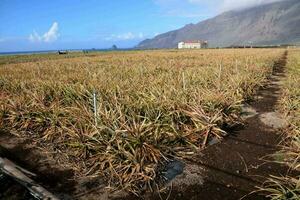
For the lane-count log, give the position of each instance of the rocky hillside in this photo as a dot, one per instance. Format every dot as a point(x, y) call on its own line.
point(269, 24)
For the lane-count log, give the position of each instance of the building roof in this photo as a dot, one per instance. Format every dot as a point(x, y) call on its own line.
point(194, 41)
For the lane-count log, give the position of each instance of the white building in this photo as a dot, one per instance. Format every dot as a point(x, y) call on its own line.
point(192, 44)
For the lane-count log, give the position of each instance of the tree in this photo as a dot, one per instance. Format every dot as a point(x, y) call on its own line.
point(114, 47)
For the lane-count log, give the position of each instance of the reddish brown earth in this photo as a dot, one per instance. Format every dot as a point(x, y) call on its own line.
point(25, 154)
point(237, 165)
point(228, 170)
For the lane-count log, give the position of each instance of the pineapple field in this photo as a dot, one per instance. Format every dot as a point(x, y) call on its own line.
point(121, 116)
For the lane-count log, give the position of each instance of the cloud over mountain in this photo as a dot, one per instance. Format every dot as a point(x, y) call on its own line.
point(241, 4)
point(218, 6)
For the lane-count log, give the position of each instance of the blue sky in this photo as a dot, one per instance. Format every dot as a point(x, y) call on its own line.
point(76, 24)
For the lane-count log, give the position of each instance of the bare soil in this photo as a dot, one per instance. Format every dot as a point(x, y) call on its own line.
point(228, 170)
point(26, 155)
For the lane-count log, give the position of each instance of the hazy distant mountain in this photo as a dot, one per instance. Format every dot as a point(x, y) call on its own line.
point(274, 23)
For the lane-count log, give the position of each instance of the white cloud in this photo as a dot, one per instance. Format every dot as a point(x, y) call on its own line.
point(188, 8)
point(185, 8)
point(11, 38)
point(34, 37)
point(125, 36)
point(50, 36)
point(240, 4)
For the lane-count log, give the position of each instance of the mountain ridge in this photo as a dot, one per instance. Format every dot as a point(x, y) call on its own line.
point(268, 24)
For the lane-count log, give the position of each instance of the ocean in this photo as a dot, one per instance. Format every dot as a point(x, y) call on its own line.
point(55, 51)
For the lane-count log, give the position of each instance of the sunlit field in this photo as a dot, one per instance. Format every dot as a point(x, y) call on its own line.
point(121, 115)
point(290, 103)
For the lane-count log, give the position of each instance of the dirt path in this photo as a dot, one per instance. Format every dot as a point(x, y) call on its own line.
point(235, 166)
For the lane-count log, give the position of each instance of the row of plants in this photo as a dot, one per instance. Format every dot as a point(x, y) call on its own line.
point(150, 106)
point(287, 187)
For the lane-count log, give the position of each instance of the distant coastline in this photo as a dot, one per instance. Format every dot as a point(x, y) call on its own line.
point(26, 52)
point(55, 51)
